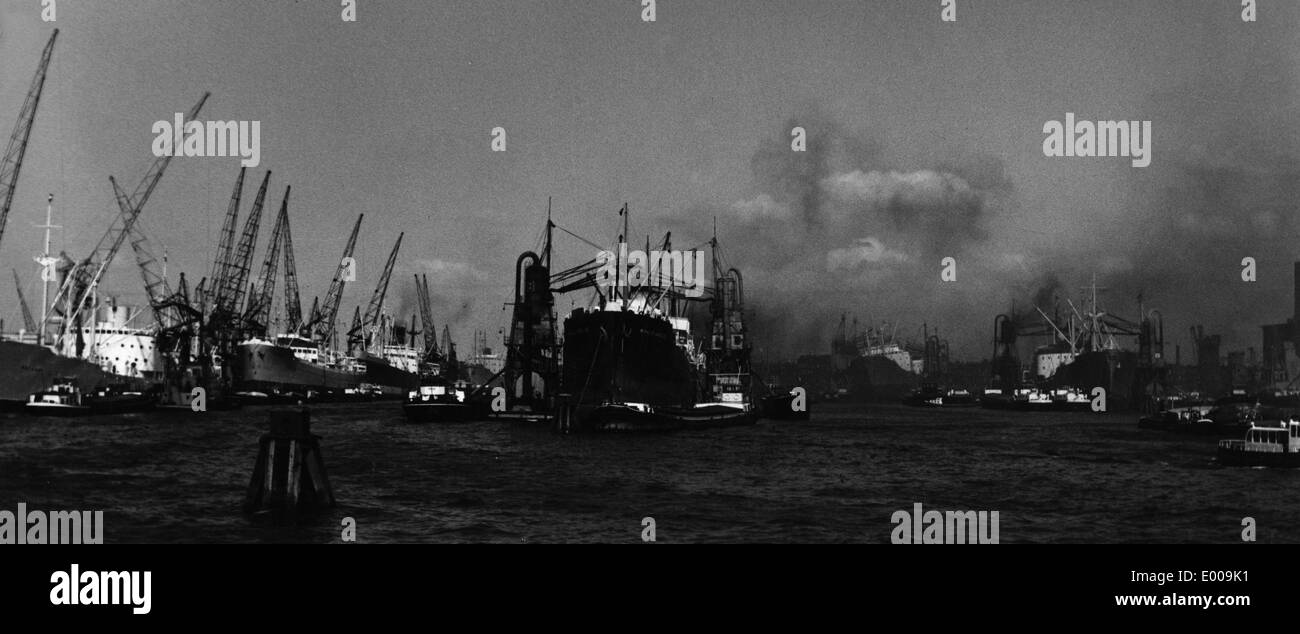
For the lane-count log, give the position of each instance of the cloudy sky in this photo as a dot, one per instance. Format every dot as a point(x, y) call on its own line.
point(924, 142)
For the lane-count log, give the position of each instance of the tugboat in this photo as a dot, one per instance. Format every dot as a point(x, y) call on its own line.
point(65, 398)
point(1263, 447)
point(442, 401)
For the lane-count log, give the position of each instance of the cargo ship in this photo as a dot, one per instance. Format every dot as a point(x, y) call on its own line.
point(378, 358)
point(111, 353)
point(631, 361)
point(1084, 355)
point(294, 364)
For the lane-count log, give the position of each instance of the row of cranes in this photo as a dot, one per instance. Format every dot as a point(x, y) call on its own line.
point(203, 326)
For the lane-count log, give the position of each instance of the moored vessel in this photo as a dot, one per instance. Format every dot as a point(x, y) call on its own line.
point(66, 398)
point(1263, 447)
point(631, 361)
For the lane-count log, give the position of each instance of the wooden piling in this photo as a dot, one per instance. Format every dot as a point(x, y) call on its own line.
point(289, 476)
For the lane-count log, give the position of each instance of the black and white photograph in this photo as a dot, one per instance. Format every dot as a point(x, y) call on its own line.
point(650, 272)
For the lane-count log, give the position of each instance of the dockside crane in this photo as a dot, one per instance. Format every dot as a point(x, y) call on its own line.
point(12, 162)
point(171, 310)
point(230, 298)
point(411, 332)
point(78, 286)
point(292, 300)
point(452, 371)
point(429, 332)
point(22, 303)
point(257, 315)
point(304, 330)
point(323, 318)
point(226, 246)
point(354, 333)
point(371, 323)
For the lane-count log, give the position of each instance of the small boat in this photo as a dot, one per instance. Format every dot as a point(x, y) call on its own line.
point(1020, 398)
point(784, 406)
point(1182, 420)
point(1070, 399)
point(931, 395)
point(640, 417)
point(729, 407)
point(1024, 398)
point(1277, 446)
point(440, 401)
point(65, 398)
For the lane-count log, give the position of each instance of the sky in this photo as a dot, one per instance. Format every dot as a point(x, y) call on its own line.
point(924, 142)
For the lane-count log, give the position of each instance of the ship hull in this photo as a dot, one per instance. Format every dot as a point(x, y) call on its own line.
point(1110, 369)
point(391, 380)
point(625, 357)
point(616, 418)
point(27, 368)
point(266, 367)
point(125, 405)
point(1237, 457)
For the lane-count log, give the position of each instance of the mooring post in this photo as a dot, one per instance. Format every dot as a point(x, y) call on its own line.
point(289, 475)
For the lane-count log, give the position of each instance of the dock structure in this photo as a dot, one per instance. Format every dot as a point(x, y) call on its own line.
point(289, 475)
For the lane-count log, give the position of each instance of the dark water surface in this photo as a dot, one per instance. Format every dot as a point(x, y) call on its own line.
point(168, 477)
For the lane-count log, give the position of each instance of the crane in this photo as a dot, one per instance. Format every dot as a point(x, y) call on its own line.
point(371, 322)
point(257, 314)
point(22, 302)
point(304, 330)
point(292, 301)
point(322, 320)
point(354, 333)
point(230, 299)
point(170, 309)
point(426, 318)
point(13, 157)
point(226, 247)
point(452, 369)
point(74, 294)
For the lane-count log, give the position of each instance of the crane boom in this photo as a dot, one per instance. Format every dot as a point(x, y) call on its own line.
point(426, 318)
point(226, 247)
point(13, 157)
point(292, 300)
point(22, 303)
point(80, 283)
point(156, 288)
point(371, 323)
point(323, 321)
point(257, 315)
point(230, 298)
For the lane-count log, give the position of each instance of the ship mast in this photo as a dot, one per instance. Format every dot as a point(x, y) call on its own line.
point(47, 267)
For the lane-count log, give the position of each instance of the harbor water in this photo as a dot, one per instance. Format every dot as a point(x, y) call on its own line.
point(166, 477)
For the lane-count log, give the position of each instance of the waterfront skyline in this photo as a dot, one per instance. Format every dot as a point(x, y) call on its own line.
point(925, 143)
